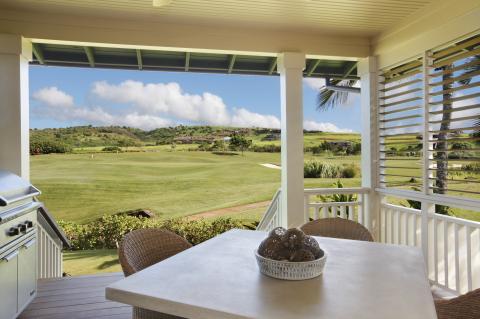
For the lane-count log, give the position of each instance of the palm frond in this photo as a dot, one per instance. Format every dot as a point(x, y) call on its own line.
point(327, 99)
point(470, 69)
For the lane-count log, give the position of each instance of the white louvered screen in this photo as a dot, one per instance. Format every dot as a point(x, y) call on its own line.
point(400, 121)
point(454, 119)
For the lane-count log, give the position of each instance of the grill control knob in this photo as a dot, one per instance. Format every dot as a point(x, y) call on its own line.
point(22, 227)
point(29, 224)
point(13, 231)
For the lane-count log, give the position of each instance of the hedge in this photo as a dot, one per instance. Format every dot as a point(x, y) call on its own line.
point(108, 231)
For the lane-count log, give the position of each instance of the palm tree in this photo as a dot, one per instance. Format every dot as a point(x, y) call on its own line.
point(331, 96)
point(442, 146)
point(442, 156)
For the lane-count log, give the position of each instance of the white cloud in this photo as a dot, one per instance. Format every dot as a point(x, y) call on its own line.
point(155, 105)
point(60, 106)
point(244, 118)
point(168, 99)
point(53, 97)
point(324, 127)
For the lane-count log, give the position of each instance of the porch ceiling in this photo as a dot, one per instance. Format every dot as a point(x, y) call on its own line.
point(128, 58)
point(359, 17)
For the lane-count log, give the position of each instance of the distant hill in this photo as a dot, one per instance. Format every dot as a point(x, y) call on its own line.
point(61, 140)
point(91, 136)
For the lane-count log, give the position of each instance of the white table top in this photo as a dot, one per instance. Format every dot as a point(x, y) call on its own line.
point(220, 279)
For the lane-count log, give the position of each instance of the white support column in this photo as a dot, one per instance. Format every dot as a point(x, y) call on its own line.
point(427, 208)
point(15, 53)
point(367, 70)
point(291, 66)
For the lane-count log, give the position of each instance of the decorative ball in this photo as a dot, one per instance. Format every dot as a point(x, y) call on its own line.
point(270, 247)
point(277, 232)
point(311, 244)
point(302, 255)
point(293, 239)
point(289, 245)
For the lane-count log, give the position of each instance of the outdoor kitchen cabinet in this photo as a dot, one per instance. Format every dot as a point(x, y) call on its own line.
point(18, 278)
point(27, 273)
point(8, 282)
point(18, 244)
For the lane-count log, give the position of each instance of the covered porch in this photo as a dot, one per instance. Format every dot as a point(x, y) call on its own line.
point(403, 54)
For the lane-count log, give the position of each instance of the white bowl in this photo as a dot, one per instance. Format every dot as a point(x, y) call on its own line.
point(289, 270)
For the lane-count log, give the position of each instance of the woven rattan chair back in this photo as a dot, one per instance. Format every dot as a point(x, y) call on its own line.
point(337, 228)
point(463, 307)
point(142, 248)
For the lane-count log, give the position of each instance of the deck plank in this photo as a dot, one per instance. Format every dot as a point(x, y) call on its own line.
point(81, 297)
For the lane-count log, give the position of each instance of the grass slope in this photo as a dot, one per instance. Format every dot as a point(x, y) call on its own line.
point(85, 262)
point(80, 188)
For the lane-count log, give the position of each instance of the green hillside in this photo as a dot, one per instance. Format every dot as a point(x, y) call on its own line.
point(90, 136)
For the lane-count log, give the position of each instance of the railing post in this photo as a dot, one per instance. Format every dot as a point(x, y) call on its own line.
point(427, 209)
point(367, 70)
point(306, 208)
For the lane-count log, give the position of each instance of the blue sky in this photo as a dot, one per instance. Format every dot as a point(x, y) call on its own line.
point(61, 97)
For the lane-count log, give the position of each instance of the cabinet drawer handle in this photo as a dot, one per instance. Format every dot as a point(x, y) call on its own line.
point(10, 256)
point(29, 243)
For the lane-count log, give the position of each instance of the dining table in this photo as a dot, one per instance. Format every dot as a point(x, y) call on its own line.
point(220, 278)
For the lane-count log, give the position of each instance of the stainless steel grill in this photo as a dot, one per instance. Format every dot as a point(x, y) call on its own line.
point(18, 243)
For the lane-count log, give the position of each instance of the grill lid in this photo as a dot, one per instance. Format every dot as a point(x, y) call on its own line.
point(13, 188)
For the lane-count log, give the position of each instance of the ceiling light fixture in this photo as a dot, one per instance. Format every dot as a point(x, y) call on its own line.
point(161, 3)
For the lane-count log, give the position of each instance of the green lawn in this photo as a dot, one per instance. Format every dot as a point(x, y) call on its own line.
point(82, 187)
point(84, 262)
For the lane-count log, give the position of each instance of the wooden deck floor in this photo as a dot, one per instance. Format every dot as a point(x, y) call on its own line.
point(76, 298)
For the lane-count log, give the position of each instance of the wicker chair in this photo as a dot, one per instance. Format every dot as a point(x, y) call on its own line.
point(463, 307)
point(142, 248)
point(337, 228)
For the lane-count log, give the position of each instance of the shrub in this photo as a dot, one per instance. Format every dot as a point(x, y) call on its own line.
point(471, 167)
point(111, 149)
point(204, 146)
point(460, 155)
point(239, 142)
point(108, 231)
point(461, 145)
point(316, 169)
point(349, 171)
point(269, 148)
point(48, 147)
point(354, 149)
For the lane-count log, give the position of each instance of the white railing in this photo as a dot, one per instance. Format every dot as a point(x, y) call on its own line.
point(351, 205)
point(50, 256)
point(451, 245)
point(316, 208)
point(400, 225)
point(271, 218)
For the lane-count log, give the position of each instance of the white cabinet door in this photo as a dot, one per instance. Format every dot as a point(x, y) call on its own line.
point(27, 272)
point(8, 284)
